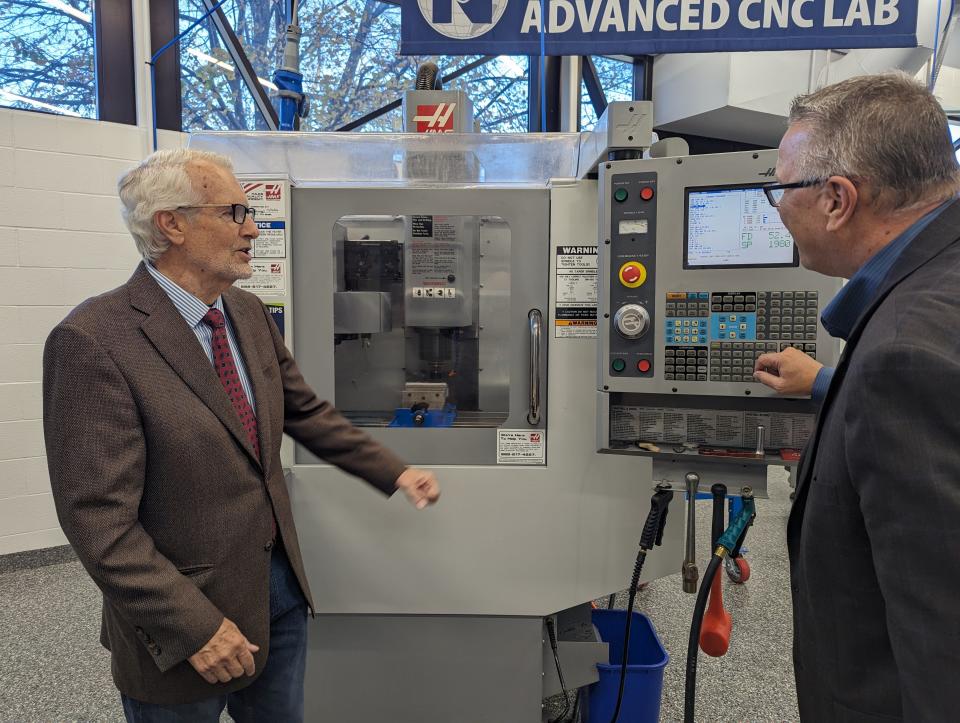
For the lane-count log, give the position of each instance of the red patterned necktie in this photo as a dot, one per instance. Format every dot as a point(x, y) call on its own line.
point(229, 377)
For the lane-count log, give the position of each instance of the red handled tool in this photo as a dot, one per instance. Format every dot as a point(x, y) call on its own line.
point(717, 622)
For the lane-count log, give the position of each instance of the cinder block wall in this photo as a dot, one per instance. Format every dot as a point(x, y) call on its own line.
point(61, 241)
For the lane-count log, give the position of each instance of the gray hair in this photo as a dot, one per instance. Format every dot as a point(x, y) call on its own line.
point(161, 183)
point(888, 130)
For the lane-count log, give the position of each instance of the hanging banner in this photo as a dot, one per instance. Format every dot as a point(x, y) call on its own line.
point(647, 27)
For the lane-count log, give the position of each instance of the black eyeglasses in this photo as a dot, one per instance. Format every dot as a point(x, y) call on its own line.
point(240, 212)
point(775, 191)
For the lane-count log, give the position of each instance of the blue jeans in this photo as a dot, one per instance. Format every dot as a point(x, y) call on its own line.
point(277, 694)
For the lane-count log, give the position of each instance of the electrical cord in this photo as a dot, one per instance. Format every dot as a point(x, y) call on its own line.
point(731, 539)
point(651, 536)
point(552, 635)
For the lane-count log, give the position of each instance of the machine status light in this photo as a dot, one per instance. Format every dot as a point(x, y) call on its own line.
point(619, 365)
point(646, 193)
point(620, 195)
point(643, 366)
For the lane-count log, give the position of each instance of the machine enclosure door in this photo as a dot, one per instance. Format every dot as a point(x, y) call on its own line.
point(385, 338)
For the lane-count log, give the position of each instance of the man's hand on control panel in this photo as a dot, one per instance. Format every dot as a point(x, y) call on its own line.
point(789, 372)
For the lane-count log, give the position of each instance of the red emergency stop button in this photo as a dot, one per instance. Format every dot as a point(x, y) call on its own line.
point(633, 274)
point(646, 193)
point(643, 365)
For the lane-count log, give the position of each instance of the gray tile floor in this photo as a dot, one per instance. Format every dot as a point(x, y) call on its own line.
point(53, 669)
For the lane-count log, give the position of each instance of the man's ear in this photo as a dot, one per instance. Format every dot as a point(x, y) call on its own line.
point(171, 225)
point(840, 198)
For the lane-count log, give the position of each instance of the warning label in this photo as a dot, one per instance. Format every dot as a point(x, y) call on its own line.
point(521, 446)
point(575, 315)
point(439, 228)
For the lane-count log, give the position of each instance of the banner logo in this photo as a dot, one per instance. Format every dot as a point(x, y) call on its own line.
point(462, 19)
point(644, 27)
point(435, 118)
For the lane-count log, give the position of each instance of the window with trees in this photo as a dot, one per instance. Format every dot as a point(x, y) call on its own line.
point(48, 56)
point(616, 79)
point(350, 63)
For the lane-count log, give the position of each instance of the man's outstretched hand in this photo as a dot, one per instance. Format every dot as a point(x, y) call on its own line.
point(420, 487)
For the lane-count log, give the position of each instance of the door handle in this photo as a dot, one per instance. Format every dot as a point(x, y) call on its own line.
point(535, 319)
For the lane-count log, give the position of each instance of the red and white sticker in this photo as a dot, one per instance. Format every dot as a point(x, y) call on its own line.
point(435, 118)
point(521, 446)
point(267, 198)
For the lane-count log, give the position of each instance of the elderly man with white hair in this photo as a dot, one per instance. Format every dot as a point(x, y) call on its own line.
point(165, 402)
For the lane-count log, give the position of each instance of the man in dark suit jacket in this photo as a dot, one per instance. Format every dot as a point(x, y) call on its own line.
point(867, 182)
point(165, 401)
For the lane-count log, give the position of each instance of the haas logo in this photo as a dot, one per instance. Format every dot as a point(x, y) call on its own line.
point(535, 437)
point(462, 19)
point(272, 192)
point(769, 173)
point(435, 118)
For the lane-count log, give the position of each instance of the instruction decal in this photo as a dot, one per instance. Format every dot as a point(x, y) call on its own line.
point(709, 426)
point(575, 315)
point(272, 241)
point(269, 277)
point(521, 446)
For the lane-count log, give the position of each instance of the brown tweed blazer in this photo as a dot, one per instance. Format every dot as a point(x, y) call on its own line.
point(157, 487)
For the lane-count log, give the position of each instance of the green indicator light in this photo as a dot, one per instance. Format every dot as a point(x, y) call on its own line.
point(619, 365)
point(620, 195)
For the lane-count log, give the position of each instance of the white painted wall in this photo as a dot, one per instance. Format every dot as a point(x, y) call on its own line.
point(61, 241)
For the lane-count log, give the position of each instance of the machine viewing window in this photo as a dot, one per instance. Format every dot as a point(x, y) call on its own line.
point(421, 320)
point(734, 227)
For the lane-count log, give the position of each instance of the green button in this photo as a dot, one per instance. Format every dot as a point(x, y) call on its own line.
point(619, 365)
point(620, 194)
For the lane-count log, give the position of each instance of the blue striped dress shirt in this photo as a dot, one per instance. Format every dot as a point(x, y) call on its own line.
point(193, 310)
point(842, 313)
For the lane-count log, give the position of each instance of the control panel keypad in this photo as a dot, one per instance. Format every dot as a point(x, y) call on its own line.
point(787, 315)
point(685, 363)
point(718, 336)
point(734, 361)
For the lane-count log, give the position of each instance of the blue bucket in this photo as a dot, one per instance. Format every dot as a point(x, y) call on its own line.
point(644, 683)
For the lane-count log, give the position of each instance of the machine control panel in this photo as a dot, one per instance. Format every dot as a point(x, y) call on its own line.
point(633, 249)
point(700, 277)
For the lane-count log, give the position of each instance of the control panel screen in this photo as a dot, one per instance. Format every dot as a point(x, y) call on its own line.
point(735, 227)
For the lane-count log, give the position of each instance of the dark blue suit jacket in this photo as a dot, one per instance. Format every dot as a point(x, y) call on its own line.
point(874, 535)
